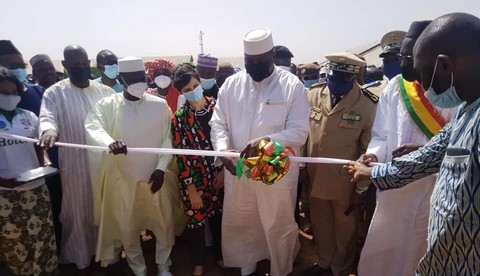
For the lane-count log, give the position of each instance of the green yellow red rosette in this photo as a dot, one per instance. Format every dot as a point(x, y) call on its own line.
point(271, 164)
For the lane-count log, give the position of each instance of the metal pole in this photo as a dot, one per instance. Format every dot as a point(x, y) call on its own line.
point(201, 42)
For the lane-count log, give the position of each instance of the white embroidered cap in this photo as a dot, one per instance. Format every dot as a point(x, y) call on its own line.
point(258, 41)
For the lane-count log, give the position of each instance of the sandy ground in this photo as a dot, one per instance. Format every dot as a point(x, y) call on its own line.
point(182, 265)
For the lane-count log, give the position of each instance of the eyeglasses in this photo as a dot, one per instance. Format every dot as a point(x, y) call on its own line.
point(406, 58)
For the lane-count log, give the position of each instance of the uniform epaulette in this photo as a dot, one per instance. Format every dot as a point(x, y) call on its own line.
point(317, 85)
point(374, 83)
point(374, 98)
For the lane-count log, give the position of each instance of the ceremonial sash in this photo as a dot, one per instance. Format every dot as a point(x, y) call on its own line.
point(420, 109)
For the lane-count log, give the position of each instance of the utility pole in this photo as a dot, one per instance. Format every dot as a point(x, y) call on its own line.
point(201, 42)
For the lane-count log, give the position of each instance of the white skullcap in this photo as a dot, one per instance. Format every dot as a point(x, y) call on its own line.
point(258, 41)
point(130, 64)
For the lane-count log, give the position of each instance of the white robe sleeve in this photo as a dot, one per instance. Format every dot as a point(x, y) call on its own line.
point(96, 125)
point(164, 159)
point(378, 143)
point(219, 133)
point(48, 116)
point(297, 124)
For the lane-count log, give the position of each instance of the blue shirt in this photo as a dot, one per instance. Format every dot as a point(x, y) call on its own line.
point(117, 87)
point(31, 99)
point(454, 223)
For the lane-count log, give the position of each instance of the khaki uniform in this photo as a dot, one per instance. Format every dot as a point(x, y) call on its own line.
point(376, 87)
point(343, 131)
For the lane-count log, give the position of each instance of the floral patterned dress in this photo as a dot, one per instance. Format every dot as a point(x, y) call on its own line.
point(191, 131)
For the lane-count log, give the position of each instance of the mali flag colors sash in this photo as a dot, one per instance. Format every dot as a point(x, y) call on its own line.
point(425, 116)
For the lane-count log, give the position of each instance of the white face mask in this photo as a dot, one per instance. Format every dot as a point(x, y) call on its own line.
point(9, 102)
point(137, 89)
point(162, 81)
point(285, 68)
point(448, 99)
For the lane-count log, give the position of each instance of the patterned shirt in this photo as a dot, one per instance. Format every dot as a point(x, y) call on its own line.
point(191, 131)
point(454, 223)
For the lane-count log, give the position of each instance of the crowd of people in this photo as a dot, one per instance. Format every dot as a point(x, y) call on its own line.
point(386, 212)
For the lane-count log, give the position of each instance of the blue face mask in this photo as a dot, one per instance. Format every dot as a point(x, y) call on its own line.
point(207, 83)
point(111, 71)
point(20, 74)
point(195, 95)
point(448, 99)
point(309, 83)
point(337, 87)
point(391, 69)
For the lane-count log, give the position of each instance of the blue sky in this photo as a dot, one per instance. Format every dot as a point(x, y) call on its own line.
point(310, 28)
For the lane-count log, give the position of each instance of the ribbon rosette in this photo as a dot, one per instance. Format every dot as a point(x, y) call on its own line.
point(271, 164)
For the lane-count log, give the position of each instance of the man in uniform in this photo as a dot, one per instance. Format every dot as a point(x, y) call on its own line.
point(391, 43)
point(341, 118)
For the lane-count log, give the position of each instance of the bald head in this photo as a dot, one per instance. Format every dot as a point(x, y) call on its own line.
point(452, 34)
point(451, 45)
point(77, 65)
point(106, 57)
point(74, 50)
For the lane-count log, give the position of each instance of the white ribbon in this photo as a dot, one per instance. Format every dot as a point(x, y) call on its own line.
point(318, 160)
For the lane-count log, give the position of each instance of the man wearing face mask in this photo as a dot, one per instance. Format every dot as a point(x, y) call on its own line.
point(107, 64)
point(206, 68)
point(282, 57)
point(400, 127)
point(391, 43)
point(262, 102)
point(341, 118)
point(62, 116)
point(446, 56)
point(159, 74)
point(135, 191)
point(12, 59)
